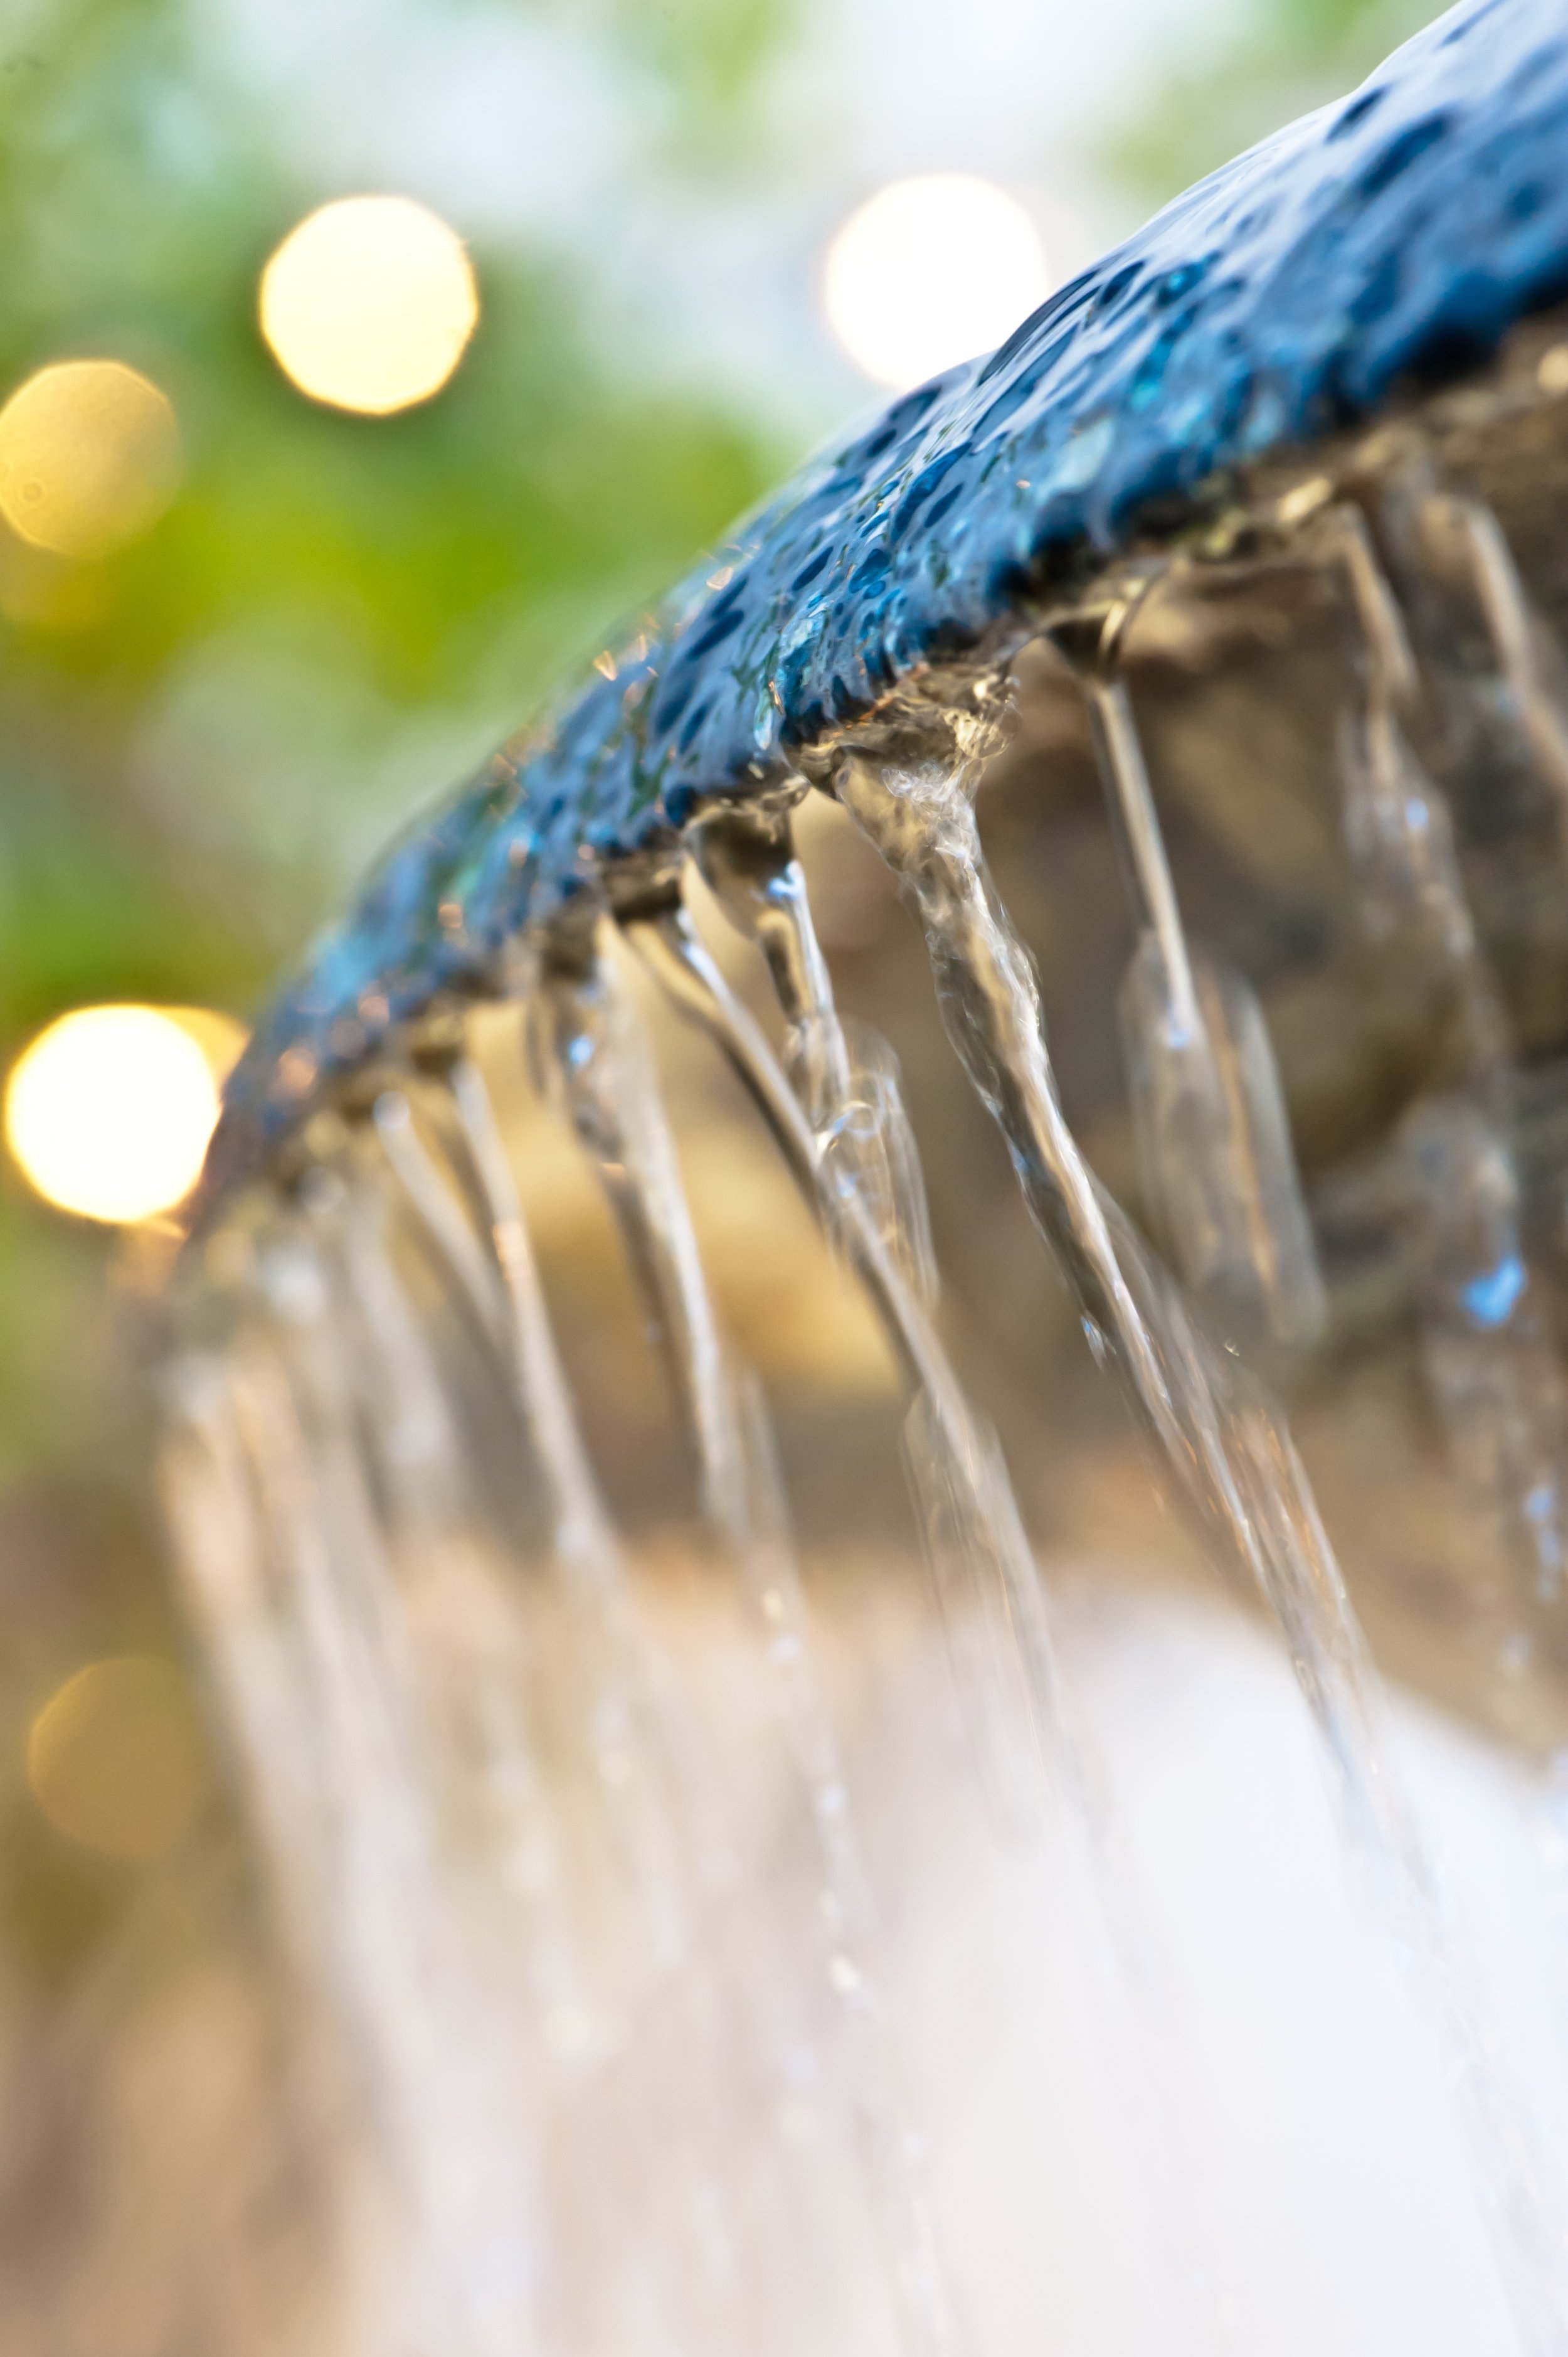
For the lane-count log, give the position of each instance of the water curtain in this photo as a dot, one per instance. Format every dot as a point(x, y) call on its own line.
point(528, 1884)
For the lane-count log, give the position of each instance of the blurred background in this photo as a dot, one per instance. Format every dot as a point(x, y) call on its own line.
point(301, 511)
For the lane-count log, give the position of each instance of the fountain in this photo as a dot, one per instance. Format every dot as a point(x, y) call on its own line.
point(1216, 614)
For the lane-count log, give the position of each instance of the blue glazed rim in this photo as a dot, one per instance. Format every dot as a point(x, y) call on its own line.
point(1381, 245)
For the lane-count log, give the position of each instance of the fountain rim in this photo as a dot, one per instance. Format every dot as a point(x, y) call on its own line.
point(1366, 253)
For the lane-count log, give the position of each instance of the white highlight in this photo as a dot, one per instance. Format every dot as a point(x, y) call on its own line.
point(930, 272)
point(109, 1112)
point(369, 304)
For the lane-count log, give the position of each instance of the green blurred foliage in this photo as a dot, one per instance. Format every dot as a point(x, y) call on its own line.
point(1274, 62)
point(709, 56)
point(541, 493)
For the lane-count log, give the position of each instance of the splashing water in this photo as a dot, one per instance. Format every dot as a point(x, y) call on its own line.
point(636, 1889)
point(1221, 1433)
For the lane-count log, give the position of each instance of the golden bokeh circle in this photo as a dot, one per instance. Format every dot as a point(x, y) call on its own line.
point(109, 1111)
point(90, 457)
point(369, 304)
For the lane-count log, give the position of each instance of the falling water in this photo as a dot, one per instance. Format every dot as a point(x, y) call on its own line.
point(377, 1644)
point(603, 1941)
point(610, 1087)
point(1495, 1376)
point(870, 1191)
point(1222, 1436)
point(316, 1655)
point(1213, 1137)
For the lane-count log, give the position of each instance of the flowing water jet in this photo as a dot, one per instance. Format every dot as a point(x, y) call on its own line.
point(870, 1192)
point(1213, 1136)
point(634, 2073)
point(610, 1086)
point(1225, 1439)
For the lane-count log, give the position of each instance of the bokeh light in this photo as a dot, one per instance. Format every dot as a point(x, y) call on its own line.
point(90, 457)
point(108, 1113)
point(369, 304)
point(929, 272)
point(115, 1758)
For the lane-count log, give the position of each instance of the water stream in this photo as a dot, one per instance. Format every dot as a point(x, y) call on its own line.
point(610, 1085)
point(625, 1863)
point(1227, 1445)
point(574, 2056)
point(870, 1192)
